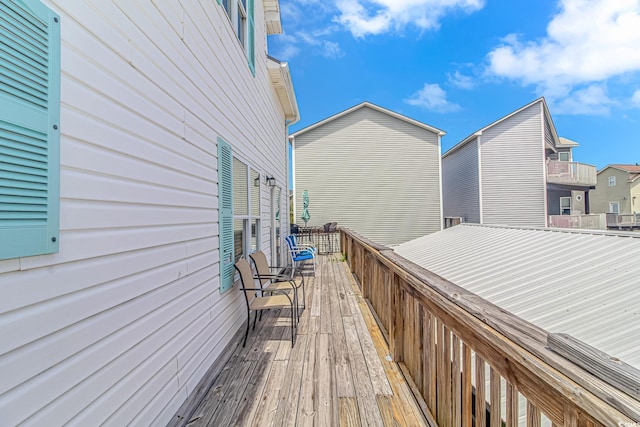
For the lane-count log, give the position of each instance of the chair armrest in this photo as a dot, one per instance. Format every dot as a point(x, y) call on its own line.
point(272, 277)
point(299, 251)
point(304, 247)
point(282, 291)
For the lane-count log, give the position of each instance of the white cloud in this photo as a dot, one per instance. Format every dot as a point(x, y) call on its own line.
point(460, 80)
point(433, 98)
point(587, 42)
point(635, 98)
point(364, 17)
point(590, 100)
point(331, 50)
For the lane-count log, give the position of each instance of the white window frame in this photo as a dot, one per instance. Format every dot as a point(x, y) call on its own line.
point(612, 181)
point(616, 210)
point(248, 219)
point(237, 13)
point(561, 208)
point(568, 156)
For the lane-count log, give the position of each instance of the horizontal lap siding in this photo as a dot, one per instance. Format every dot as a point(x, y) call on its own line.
point(373, 173)
point(600, 197)
point(460, 183)
point(123, 322)
point(512, 168)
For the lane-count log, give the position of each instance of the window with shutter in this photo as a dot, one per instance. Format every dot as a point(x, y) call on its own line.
point(29, 134)
point(240, 13)
point(225, 209)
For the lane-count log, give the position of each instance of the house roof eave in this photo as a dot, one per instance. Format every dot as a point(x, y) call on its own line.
point(281, 79)
point(474, 135)
point(373, 107)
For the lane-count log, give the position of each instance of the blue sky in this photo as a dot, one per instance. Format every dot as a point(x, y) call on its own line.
point(459, 65)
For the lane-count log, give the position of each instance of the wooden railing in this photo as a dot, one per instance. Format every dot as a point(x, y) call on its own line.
point(588, 221)
point(571, 173)
point(470, 362)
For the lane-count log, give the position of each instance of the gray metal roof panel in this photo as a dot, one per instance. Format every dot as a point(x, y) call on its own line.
point(583, 283)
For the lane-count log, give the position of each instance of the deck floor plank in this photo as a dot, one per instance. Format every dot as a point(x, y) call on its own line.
point(336, 374)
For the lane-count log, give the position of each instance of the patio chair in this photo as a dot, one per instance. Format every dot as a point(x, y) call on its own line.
point(256, 301)
point(298, 255)
point(303, 246)
point(275, 277)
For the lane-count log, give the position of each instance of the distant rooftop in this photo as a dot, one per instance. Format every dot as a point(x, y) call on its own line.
point(566, 142)
point(583, 283)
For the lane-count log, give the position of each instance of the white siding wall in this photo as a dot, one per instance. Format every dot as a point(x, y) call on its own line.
point(373, 173)
point(122, 323)
point(548, 134)
point(512, 168)
point(460, 183)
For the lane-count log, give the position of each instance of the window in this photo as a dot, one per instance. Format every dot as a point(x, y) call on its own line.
point(612, 181)
point(614, 207)
point(239, 211)
point(29, 129)
point(246, 209)
point(241, 17)
point(240, 13)
point(565, 205)
point(563, 156)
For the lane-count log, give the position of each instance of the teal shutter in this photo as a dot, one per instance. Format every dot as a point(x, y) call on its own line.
point(251, 42)
point(225, 214)
point(29, 134)
point(219, 1)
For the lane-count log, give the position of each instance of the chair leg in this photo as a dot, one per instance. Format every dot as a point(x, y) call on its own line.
point(292, 326)
point(296, 301)
point(246, 333)
point(254, 320)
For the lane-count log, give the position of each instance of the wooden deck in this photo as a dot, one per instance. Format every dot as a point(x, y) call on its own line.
point(336, 374)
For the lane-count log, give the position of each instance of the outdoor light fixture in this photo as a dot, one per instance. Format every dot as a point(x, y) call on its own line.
point(256, 182)
point(270, 181)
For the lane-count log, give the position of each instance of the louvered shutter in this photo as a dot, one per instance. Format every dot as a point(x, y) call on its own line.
point(29, 134)
point(225, 215)
point(251, 43)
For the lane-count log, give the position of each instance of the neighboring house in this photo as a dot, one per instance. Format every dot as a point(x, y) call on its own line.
point(136, 139)
point(515, 171)
point(518, 269)
point(372, 170)
point(618, 190)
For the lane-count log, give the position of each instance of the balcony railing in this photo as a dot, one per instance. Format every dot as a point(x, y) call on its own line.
point(590, 221)
point(623, 221)
point(468, 359)
point(571, 173)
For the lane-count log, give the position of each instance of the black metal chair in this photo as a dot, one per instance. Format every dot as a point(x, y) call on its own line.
point(257, 301)
point(277, 277)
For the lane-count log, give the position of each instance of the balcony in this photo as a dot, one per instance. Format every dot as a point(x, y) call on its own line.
point(337, 373)
point(586, 221)
point(623, 221)
point(571, 173)
point(401, 346)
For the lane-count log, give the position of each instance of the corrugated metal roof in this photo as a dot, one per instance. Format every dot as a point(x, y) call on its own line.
point(584, 283)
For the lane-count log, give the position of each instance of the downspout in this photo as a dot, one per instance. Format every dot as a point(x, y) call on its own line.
point(293, 175)
point(440, 181)
point(480, 195)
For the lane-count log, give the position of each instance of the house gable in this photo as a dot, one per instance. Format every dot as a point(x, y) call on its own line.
point(373, 107)
point(370, 171)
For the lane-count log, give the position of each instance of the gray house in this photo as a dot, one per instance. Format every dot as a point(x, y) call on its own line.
point(516, 171)
point(370, 169)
